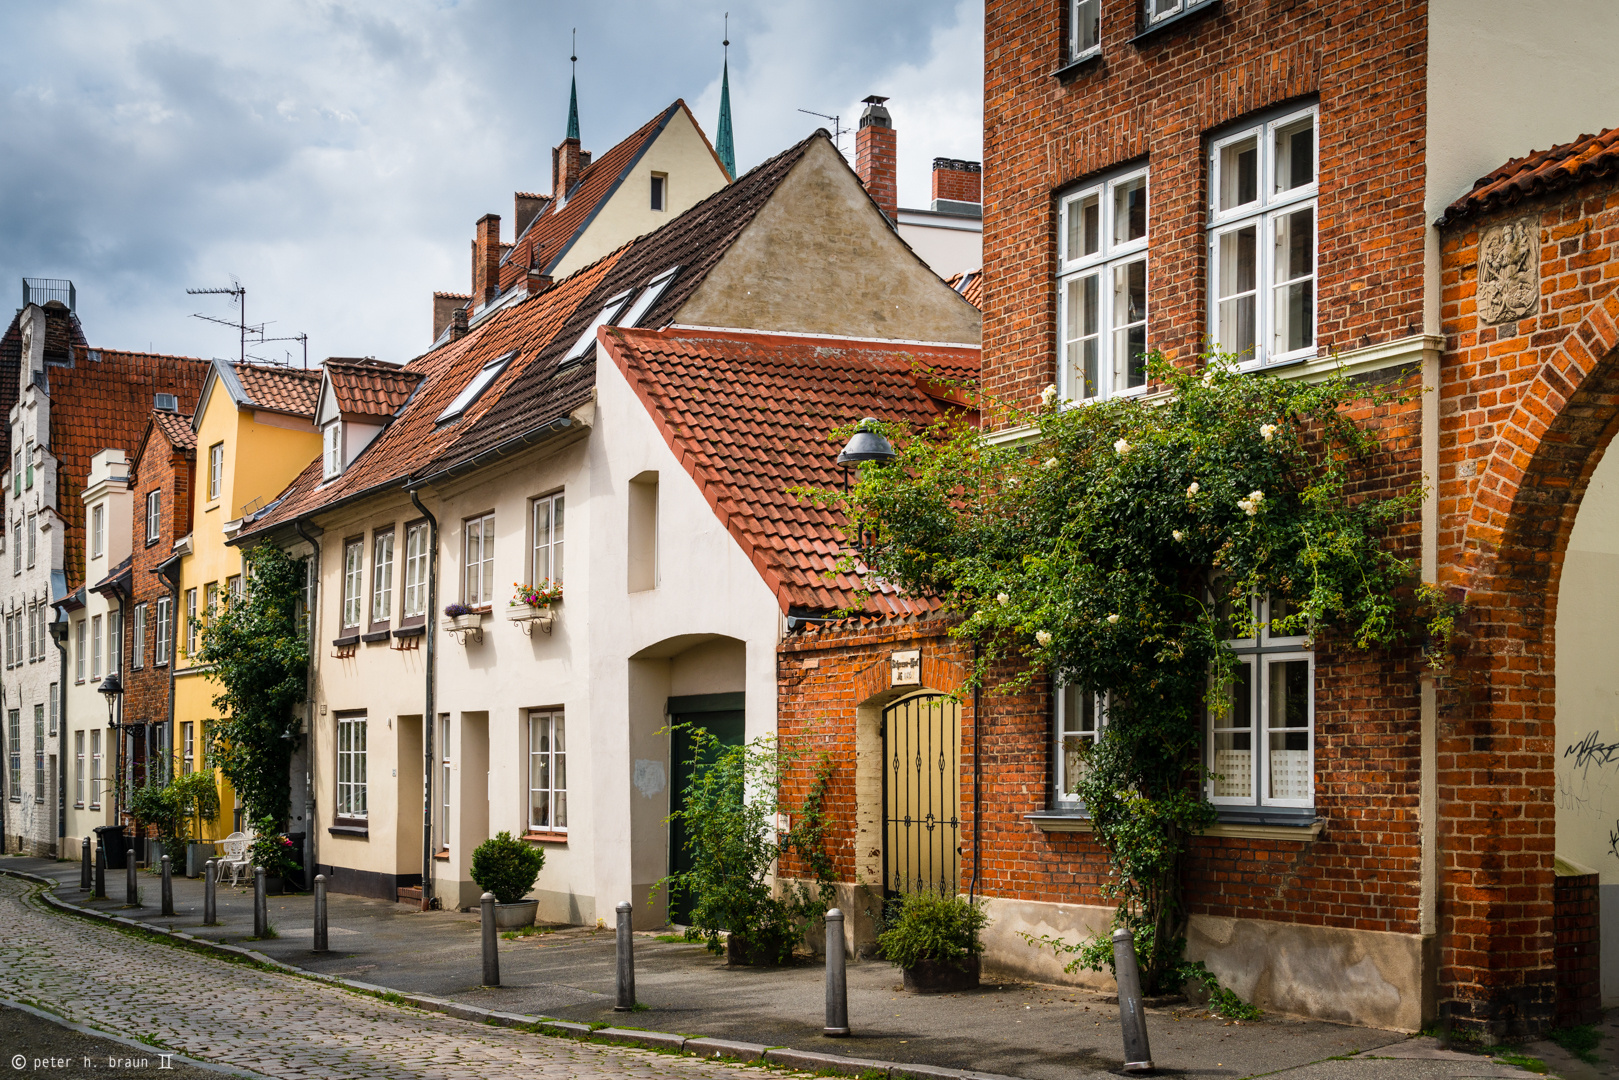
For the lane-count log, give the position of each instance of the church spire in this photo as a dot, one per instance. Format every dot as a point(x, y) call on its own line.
point(722, 137)
point(573, 92)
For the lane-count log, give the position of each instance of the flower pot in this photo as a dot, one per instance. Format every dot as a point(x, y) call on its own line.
point(274, 885)
point(464, 622)
point(936, 977)
point(197, 855)
point(512, 916)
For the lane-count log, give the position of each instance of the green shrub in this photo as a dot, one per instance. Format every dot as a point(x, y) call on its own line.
point(506, 867)
point(932, 926)
point(271, 850)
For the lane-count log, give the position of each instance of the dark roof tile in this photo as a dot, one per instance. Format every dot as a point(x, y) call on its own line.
point(1586, 158)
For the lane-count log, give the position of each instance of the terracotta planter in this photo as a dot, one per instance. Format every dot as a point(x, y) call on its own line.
point(933, 977)
point(513, 916)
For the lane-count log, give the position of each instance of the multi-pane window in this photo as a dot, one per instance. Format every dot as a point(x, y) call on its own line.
point(95, 647)
point(547, 560)
point(191, 622)
point(98, 531)
point(480, 556)
point(233, 589)
point(353, 582)
point(16, 546)
point(33, 630)
point(1080, 719)
point(1262, 239)
point(351, 765)
point(547, 771)
point(331, 441)
point(115, 641)
point(95, 768)
point(188, 748)
point(1102, 287)
point(33, 538)
point(39, 753)
point(1261, 734)
point(1084, 29)
point(216, 469)
point(79, 652)
point(55, 714)
point(14, 753)
point(444, 781)
point(416, 537)
point(382, 576)
point(28, 465)
point(160, 647)
point(137, 651)
point(78, 768)
point(154, 516)
point(1157, 11)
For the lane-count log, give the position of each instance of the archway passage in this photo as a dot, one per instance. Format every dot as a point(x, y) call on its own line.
point(922, 794)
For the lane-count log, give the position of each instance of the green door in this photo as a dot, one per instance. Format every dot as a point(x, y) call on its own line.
point(722, 716)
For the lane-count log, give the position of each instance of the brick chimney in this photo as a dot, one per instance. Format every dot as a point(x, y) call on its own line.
point(445, 304)
point(526, 207)
point(486, 259)
point(567, 163)
point(874, 156)
point(957, 185)
point(458, 324)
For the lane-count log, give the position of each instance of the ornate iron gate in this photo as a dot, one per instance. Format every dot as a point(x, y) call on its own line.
point(921, 794)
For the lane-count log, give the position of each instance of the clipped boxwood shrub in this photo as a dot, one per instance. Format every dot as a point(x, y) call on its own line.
point(506, 867)
point(930, 926)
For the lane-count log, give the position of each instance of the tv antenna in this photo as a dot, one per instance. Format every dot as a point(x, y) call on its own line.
point(838, 131)
point(238, 292)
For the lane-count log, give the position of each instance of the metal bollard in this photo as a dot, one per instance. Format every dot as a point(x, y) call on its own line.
point(132, 896)
point(837, 978)
point(491, 954)
point(320, 912)
point(1137, 1054)
point(84, 864)
point(261, 908)
point(626, 959)
point(168, 888)
point(101, 873)
point(209, 872)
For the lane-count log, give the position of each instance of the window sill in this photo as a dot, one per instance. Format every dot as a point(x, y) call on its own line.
point(1075, 68)
point(1152, 31)
point(358, 832)
point(347, 641)
point(1307, 829)
point(376, 635)
point(410, 631)
point(546, 837)
point(442, 856)
point(1060, 821)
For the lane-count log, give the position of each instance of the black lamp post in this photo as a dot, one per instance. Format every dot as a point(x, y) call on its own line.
point(113, 688)
point(866, 444)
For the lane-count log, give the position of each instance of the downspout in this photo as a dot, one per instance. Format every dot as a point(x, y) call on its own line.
point(61, 730)
point(978, 754)
point(311, 853)
point(429, 715)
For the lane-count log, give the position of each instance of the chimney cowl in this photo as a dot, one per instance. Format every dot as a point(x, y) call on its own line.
point(875, 115)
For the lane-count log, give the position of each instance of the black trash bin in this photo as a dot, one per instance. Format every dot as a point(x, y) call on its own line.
point(299, 875)
point(116, 842)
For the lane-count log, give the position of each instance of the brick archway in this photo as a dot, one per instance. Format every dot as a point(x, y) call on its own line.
point(1496, 738)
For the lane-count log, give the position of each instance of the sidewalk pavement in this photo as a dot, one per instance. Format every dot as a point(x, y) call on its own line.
point(1015, 1029)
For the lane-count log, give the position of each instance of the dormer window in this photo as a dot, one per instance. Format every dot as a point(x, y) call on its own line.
point(649, 296)
point(331, 439)
point(587, 341)
point(480, 382)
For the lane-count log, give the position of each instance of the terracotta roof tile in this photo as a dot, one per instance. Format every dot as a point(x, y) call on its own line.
point(970, 285)
point(751, 416)
point(279, 389)
point(1586, 158)
point(370, 389)
point(175, 427)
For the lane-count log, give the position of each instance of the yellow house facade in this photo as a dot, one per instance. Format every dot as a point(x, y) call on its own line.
point(255, 432)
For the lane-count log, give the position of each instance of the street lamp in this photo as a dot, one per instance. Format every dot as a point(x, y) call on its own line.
point(114, 691)
point(866, 444)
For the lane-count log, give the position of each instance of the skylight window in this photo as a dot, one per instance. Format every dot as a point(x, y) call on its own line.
point(587, 340)
point(649, 296)
point(480, 382)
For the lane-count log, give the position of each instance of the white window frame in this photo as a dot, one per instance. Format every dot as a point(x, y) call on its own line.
point(55, 714)
point(216, 470)
point(1264, 213)
point(33, 539)
point(95, 648)
point(417, 540)
point(1084, 15)
point(649, 295)
point(188, 749)
point(353, 582)
point(16, 550)
point(331, 441)
point(478, 558)
point(191, 622)
point(161, 644)
point(351, 767)
point(14, 754)
point(1067, 698)
point(444, 782)
point(474, 389)
point(33, 631)
point(553, 760)
point(587, 340)
point(1110, 259)
point(39, 752)
point(154, 516)
point(382, 575)
point(115, 642)
point(546, 555)
point(1158, 11)
point(78, 658)
point(96, 760)
point(1260, 654)
point(98, 531)
point(78, 769)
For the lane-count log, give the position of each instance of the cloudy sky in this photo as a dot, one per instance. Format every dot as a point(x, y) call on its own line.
point(332, 157)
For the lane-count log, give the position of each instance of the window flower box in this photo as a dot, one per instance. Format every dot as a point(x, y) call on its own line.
point(535, 605)
point(464, 622)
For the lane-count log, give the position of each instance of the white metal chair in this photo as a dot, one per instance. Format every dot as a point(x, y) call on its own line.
point(235, 859)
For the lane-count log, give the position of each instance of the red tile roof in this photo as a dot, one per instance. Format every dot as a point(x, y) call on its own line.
point(1586, 158)
point(175, 427)
point(106, 403)
point(751, 417)
point(279, 389)
point(370, 389)
point(555, 228)
point(970, 285)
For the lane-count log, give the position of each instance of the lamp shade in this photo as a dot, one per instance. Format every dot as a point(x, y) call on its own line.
point(111, 686)
point(866, 444)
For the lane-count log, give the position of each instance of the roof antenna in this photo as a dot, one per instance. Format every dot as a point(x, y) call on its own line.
point(838, 131)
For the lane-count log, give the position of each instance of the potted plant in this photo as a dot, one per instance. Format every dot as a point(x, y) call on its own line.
point(531, 605)
point(273, 851)
point(196, 797)
point(936, 938)
point(508, 868)
point(462, 617)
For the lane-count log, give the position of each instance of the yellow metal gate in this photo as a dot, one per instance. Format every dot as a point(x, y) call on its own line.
point(922, 794)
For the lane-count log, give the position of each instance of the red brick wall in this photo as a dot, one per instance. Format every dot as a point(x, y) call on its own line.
point(960, 181)
point(1158, 100)
point(874, 162)
point(170, 472)
point(1578, 950)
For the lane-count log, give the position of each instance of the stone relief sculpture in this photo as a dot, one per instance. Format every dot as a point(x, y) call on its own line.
point(1508, 271)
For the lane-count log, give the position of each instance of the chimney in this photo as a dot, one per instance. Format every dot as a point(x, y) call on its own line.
point(567, 162)
point(958, 187)
point(445, 304)
point(874, 156)
point(528, 206)
point(486, 259)
point(538, 282)
point(458, 324)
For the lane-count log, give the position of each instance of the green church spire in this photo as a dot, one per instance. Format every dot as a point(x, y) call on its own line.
point(722, 139)
point(573, 92)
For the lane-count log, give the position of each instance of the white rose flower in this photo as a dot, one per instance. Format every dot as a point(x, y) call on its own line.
point(1044, 638)
point(1049, 394)
point(1250, 505)
point(1121, 448)
point(1051, 463)
point(1267, 431)
point(1178, 535)
point(1003, 599)
point(1112, 620)
point(1192, 489)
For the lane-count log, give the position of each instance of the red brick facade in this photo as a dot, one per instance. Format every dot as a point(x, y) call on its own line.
point(170, 471)
point(876, 157)
point(957, 181)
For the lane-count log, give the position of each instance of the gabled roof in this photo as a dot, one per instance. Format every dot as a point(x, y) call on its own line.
point(535, 394)
point(1586, 158)
point(368, 388)
point(750, 416)
point(175, 427)
point(555, 229)
point(267, 387)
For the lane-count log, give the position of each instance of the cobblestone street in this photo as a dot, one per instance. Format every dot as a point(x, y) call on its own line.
point(273, 1024)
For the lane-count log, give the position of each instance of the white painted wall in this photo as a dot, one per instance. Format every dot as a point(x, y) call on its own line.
point(949, 245)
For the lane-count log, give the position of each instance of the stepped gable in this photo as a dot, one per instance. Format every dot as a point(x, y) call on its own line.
point(370, 388)
point(104, 401)
point(1586, 158)
point(751, 417)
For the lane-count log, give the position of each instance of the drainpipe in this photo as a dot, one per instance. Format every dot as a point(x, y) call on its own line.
point(978, 754)
point(58, 630)
point(429, 715)
point(311, 852)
